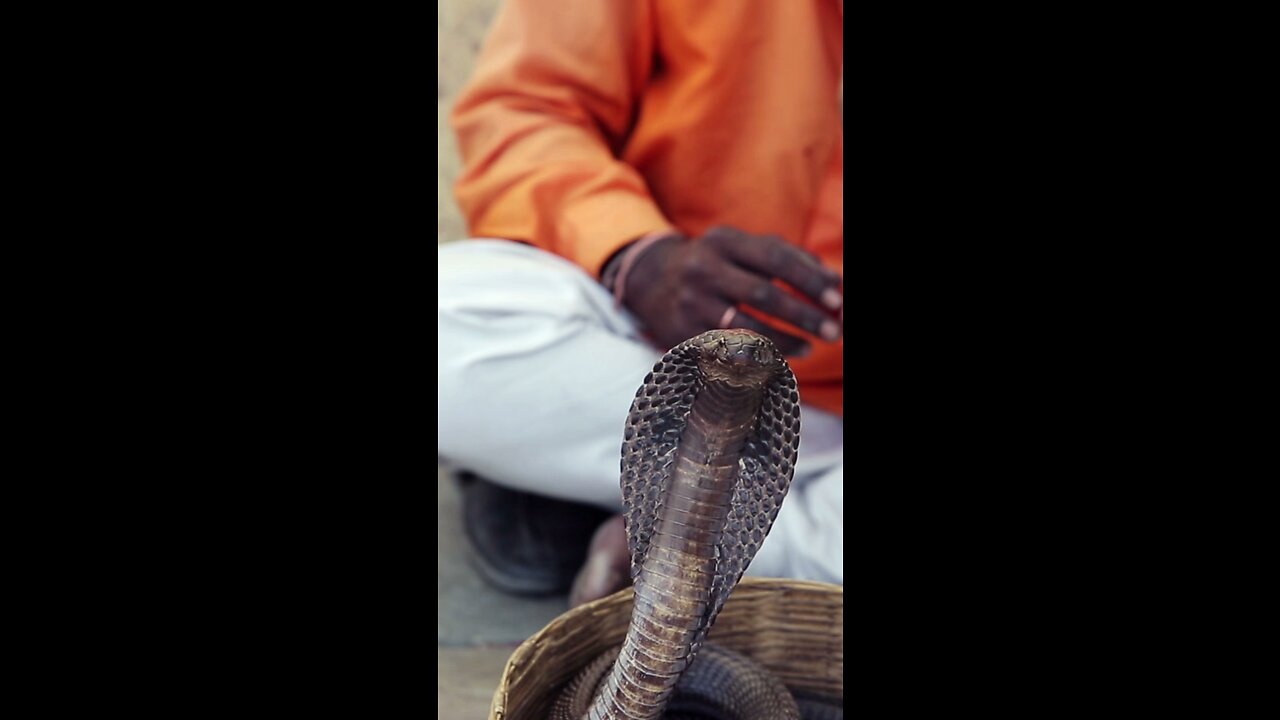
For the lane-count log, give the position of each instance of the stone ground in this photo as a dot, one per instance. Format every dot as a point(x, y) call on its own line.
point(477, 628)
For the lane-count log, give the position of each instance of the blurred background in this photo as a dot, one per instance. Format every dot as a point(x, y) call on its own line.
point(460, 29)
point(477, 626)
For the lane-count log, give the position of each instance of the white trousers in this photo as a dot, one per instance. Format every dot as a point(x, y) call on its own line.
point(538, 369)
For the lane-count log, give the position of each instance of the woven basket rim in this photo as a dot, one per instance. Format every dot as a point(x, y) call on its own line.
point(771, 617)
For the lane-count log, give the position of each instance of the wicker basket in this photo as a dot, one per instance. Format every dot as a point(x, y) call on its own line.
point(793, 628)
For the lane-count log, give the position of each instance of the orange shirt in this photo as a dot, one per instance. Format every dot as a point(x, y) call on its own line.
point(588, 124)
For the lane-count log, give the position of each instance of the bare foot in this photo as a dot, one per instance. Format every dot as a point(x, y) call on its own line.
point(608, 566)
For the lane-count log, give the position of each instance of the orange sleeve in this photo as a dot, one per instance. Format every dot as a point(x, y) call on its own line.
point(552, 98)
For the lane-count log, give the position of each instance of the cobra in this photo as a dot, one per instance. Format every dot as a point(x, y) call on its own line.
point(708, 454)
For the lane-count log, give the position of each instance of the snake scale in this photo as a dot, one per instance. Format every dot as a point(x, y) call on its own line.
point(708, 454)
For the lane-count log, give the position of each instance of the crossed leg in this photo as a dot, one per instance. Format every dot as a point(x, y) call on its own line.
point(537, 371)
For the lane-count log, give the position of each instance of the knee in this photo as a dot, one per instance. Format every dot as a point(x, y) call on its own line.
point(492, 279)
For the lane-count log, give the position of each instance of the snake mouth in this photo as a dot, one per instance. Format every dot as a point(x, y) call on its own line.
point(738, 357)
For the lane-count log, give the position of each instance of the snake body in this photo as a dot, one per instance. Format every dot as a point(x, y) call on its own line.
point(708, 454)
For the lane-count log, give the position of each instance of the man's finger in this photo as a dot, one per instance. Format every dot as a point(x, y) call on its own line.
point(763, 295)
point(787, 343)
point(769, 255)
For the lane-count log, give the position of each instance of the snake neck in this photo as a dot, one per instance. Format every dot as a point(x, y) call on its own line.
point(674, 581)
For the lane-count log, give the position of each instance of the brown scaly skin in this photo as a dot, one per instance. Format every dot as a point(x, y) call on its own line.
point(705, 528)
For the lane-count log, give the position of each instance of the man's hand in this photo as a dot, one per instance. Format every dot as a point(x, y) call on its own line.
point(679, 288)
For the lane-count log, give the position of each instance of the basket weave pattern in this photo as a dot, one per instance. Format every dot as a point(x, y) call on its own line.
point(794, 629)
